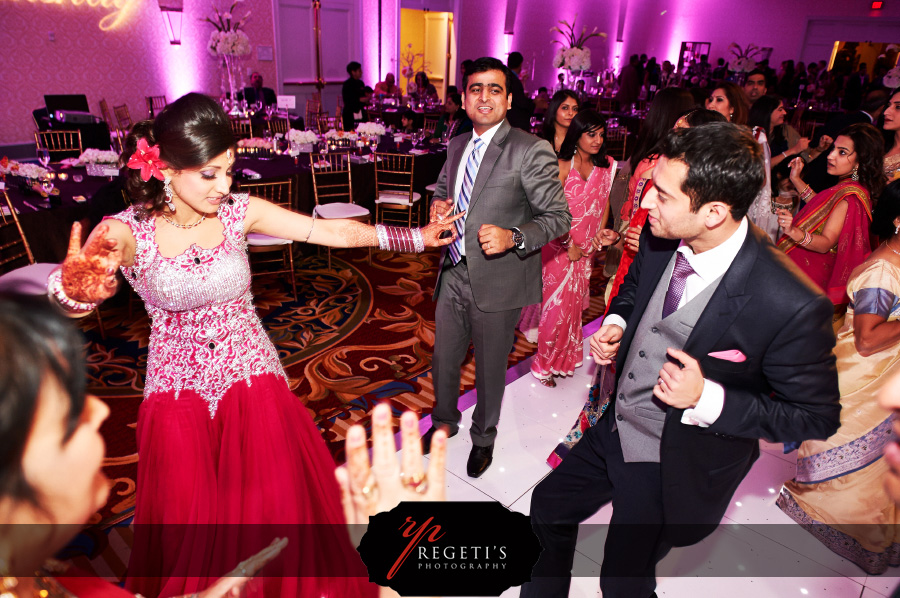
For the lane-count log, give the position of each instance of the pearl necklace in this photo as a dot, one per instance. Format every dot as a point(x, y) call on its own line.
point(176, 225)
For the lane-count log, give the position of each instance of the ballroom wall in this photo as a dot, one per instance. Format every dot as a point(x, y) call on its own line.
point(128, 61)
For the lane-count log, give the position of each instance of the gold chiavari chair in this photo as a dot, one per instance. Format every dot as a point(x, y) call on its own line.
point(114, 138)
point(313, 111)
point(278, 125)
point(395, 200)
point(279, 193)
point(123, 119)
point(373, 114)
point(155, 104)
point(330, 122)
point(242, 128)
point(18, 270)
point(430, 125)
point(61, 144)
point(607, 105)
point(333, 191)
point(616, 140)
point(339, 107)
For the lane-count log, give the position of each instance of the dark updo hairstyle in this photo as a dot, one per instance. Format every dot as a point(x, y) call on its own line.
point(36, 342)
point(869, 147)
point(886, 211)
point(548, 131)
point(667, 105)
point(702, 116)
point(584, 122)
point(190, 132)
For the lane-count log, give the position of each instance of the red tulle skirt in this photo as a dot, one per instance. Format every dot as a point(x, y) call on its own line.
point(212, 492)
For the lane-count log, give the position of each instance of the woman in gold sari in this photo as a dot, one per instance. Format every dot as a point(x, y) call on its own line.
point(840, 481)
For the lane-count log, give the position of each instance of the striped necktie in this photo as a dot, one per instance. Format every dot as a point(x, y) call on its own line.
point(462, 202)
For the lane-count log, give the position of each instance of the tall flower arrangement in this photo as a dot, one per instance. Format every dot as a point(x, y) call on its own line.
point(228, 41)
point(572, 55)
point(744, 60)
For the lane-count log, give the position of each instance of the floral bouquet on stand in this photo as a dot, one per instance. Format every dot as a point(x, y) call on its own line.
point(744, 60)
point(228, 42)
point(572, 56)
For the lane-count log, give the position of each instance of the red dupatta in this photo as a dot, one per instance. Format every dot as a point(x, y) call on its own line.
point(831, 270)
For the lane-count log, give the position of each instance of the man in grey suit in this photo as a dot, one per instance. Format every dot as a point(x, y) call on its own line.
point(507, 182)
point(718, 340)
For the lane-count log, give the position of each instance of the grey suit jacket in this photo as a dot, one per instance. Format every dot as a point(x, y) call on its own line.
point(517, 186)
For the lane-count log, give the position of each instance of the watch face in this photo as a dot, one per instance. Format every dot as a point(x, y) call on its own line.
point(518, 238)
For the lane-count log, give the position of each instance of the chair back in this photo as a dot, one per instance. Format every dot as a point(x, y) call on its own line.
point(329, 122)
point(607, 105)
point(278, 125)
point(616, 140)
point(277, 191)
point(331, 177)
point(339, 106)
point(242, 128)
point(106, 114)
point(123, 118)
point(430, 125)
point(313, 111)
point(14, 249)
point(61, 144)
point(373, 114)
point(394, 175)
point(155, 104)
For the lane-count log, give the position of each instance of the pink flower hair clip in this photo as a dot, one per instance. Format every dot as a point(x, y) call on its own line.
point(146, 158)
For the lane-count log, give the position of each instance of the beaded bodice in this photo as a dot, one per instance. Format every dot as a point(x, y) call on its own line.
point(205, 334)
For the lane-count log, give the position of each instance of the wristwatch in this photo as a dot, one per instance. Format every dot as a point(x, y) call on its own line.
point(518, 238)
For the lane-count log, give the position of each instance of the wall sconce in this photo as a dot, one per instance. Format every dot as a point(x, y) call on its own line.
point(172, 11)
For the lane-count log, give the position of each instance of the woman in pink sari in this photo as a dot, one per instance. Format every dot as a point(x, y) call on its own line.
point(587, 174)
point(829, 237)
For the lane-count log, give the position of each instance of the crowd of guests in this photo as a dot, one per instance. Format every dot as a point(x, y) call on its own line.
point(223, 440)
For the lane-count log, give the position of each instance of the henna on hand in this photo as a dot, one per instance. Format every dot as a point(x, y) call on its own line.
point(89, 273)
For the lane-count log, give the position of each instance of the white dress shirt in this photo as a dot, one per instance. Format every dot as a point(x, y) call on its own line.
point(708, 267)
point(461, 169)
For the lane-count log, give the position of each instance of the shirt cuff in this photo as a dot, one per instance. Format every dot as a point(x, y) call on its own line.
point(709, 407)
point(614, 319)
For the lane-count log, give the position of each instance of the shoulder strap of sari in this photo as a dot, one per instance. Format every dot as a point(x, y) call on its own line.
point(820, 207)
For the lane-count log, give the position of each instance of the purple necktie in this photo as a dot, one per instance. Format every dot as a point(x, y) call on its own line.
point(676, 285)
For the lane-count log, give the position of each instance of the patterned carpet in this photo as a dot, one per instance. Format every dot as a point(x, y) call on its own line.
point(357, 334)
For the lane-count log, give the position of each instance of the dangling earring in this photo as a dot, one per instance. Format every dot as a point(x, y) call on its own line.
point(167, 187)
point(731, 116)
point(897, 229)
point(855, 175)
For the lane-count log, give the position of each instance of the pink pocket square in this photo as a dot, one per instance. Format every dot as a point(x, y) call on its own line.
point(733, 355)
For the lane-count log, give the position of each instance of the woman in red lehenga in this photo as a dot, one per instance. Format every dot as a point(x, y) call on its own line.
point(229, 457)
point(829, 237)
point(587, 174)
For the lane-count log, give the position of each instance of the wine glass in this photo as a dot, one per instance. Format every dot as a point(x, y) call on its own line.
point(43, 156)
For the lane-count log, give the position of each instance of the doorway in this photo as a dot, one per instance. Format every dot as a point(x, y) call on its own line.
point(427, 45)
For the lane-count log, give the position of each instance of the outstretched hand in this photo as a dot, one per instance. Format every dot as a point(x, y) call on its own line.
point(431, 233)
point(367, 490)
point(89, 272)
point(234, 582)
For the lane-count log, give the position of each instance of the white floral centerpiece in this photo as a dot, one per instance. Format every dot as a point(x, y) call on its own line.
point(744, 60)
point(228, 42)
point(892, 78)
point(334, 134)
point(572, 55)
point(302, 141)
point(23, 169)
point(370, 129)
point(255, 142)
point(96, 156)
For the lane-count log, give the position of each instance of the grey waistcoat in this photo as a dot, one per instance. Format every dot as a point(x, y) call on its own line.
point(639, 415)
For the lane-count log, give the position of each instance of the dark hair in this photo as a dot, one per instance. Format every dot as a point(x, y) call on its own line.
point(738, 100)
point(667, 105)
point(869, 147)
point(542, 89)
point(452, 90)
point(761, 112)
point(457, 99)
point(409, 115)
point(465, 65)
point(190, 132)
point(353, 66)
point(886, 211)
point(702, 116)
point(874, 100)
point(758, 71)
point(584, 122)
point(36, 342)
point(425, 82)
point(483, 65)
point(724, 164)
point(515, 60)
point(889, 136)
point(548, 130)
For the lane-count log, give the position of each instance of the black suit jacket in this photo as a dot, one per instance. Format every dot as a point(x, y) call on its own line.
point(519, 115)
point(268, 96)
point(786, 390)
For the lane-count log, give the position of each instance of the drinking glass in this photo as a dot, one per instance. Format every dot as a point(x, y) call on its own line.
point(43, 156)
point(46, 185)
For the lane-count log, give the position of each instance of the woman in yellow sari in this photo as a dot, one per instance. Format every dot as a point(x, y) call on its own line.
point(829, 237)
point(840, 481)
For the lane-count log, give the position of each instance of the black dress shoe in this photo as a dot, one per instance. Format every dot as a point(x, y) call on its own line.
point(426, 438)
point(479, 460)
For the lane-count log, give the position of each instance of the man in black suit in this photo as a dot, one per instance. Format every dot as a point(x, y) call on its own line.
point(257, 92)
point(353, 93)
point(718, 340)
point(522, 109)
